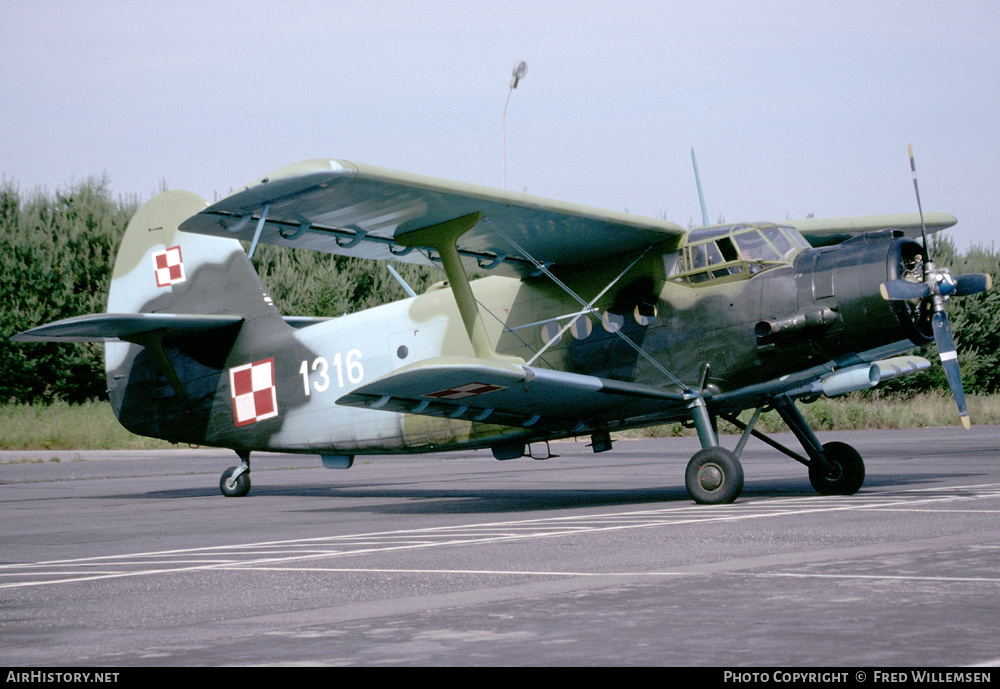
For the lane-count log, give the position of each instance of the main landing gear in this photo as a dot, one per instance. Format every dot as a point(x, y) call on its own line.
point(714, 475)
point(235, 481)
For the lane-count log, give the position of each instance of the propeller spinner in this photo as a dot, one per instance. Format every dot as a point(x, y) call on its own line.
point(937, 286)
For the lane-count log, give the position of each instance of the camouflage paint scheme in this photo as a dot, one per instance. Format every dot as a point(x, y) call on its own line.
point(728, 317)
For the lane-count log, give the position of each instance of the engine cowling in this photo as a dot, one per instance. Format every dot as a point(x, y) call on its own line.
point(846, 279)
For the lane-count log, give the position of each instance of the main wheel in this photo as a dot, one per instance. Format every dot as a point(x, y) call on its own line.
point(234, 488)
point(714, 476)
point(848, 473)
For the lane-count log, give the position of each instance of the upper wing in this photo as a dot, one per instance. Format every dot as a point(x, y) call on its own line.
point(827, 231)
point(346, 208)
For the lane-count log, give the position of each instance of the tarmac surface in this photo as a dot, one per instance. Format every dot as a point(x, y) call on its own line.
point(117, 559)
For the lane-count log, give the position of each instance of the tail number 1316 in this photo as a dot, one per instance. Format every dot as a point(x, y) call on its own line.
point(349, 365)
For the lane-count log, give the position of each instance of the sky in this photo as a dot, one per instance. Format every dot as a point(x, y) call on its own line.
point(792, 107)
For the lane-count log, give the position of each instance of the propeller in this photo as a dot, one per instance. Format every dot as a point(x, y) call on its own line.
point(937, 286)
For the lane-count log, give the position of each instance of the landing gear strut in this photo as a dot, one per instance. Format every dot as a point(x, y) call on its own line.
point(714, 475)
point(235, 481)
point(834, 468)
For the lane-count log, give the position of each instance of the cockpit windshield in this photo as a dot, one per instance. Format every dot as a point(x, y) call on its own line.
point(735, 251)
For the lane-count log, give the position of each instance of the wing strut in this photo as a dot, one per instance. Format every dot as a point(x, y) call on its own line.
point(260, 228)
point(443, 237)
point(587, 307)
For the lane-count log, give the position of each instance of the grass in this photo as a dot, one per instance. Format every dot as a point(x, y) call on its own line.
point(863, 412)
point(92, 426)
point(62, 426)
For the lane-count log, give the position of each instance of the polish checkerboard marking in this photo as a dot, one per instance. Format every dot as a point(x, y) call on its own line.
point(254, 392)
point(168, 267)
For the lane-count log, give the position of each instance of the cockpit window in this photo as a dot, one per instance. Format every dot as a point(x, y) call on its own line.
point(738, 251)
point(778, 240)
point(754, 247)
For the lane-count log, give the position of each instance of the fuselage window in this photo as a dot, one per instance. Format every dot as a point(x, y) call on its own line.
point(739, 250)
point(581, 328)
point(612, 322)
point(550, 331)
point(698, 256)
point(672, 263)
point(754, 247)
point(644, 313)
point(797, 240)
point(728, 250)
point(756, 251)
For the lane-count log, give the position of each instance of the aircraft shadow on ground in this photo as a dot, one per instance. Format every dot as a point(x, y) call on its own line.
point(464, 501)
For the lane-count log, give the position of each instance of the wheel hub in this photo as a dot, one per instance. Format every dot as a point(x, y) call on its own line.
point(710, 476)
point(835, 472)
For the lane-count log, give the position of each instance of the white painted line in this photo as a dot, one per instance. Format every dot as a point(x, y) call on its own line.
point(276, 554)
point(477, 572)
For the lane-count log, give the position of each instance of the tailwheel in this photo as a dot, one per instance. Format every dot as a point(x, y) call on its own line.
point(714, 476)
point(847, 471)
point(235, 482)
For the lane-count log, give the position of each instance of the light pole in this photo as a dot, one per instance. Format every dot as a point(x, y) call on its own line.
point(517, 74)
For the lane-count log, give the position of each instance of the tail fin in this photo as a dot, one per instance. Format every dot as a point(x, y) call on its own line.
point(167, 387)
point(180, 307)
point(196, 294)
point(162, 270)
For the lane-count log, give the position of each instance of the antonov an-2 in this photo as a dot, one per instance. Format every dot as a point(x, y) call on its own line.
point(587, 322)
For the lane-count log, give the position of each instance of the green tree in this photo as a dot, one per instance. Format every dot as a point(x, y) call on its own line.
point(56, 254)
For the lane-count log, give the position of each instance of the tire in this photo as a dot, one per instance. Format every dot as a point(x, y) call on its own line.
point(714, 477)
point(240, 489)
point(849, 471)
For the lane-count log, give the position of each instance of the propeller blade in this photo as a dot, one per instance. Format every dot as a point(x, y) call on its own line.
point(972, 283)
point(949, 360)
point(897, 290)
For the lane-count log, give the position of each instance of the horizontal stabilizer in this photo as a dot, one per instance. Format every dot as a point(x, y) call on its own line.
point(304, 321)
point(125, 327)
point(511, 395)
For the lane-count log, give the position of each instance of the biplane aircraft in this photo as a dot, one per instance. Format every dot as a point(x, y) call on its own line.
point(587, 322)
